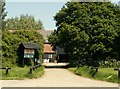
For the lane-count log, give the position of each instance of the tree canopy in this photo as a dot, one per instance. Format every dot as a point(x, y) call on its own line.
point(3, 14)
point(24, 22)
point(117, 41)
point(86, 31)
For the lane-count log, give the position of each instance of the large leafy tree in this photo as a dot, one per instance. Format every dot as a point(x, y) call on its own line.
point(24, 22)
point(3, 14)
point(86, 31)
point(117, 39)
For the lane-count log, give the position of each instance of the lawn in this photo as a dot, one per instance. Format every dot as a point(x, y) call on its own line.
point(18, 73)
point(105, 74)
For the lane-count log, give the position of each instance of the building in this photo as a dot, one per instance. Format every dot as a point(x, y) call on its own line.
point(28, 52)
point(51, 55)
point(62, 57)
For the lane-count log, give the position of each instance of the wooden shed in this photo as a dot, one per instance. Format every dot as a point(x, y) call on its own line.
point(28, 52)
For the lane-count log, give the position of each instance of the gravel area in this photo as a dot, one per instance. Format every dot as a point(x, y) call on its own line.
point(57, 77)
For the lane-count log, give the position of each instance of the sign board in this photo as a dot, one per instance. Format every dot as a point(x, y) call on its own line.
point(28, 55)
point(29, 51)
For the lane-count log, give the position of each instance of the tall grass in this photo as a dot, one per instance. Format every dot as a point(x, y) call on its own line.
point(105, 74)
point(18, 73)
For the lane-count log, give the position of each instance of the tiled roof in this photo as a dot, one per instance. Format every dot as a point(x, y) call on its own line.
point(48, 48)
point(45, 33)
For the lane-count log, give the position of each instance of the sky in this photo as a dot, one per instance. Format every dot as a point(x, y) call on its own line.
point(37, 8)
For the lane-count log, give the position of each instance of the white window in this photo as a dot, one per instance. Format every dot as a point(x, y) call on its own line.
point(49, 55)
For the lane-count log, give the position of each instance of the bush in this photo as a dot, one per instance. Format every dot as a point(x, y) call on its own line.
point(85, 71)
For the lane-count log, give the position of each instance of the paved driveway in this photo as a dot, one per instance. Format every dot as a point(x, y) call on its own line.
point(57, 77)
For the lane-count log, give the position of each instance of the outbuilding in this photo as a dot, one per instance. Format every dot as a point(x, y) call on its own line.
point(49, 53)
point(28, 53)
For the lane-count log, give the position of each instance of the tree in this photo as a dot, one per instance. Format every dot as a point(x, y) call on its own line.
point(11, 42)
point(86, 31)
point(24, 22)
point(119, 3)
point(3, 14)
point(117, 41)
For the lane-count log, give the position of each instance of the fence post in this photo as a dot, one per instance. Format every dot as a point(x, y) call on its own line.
point(119, 73)
point(30, 71)
point(6, 70)
point(33, 68)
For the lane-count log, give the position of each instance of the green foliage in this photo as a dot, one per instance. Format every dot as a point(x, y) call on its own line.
point(117, 41)
point(52, 38)
point(110, 63)
point(24, 22)
point(86, 31)
point(110, 75)
point(3, 14)
point(35, 74)
point(85, 71)
point(22, 73)
point(11, 42)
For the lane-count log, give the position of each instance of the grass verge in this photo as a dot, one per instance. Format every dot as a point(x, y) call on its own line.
point(18, 73)
point(105, 74)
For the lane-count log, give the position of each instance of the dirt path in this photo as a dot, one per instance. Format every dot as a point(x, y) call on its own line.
point(57, 78)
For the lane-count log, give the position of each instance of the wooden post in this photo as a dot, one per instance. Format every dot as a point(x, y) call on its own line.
point(30, 71)
point(6, 70)
point(33, 68)
point(23, 62)
point(119, 73)
point(96, 69)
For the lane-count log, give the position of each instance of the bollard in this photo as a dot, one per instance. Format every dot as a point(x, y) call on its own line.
point(33, 68)
point(96, 69)
point(30, 71)
point(119, 73)
point(6, 70)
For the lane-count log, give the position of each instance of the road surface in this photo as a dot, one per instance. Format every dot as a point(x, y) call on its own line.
point(57, 77)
